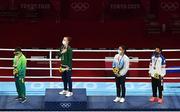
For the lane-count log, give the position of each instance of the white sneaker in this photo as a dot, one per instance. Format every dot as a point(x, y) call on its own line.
point(117, 99)
point(63, 92)
point(122, 100)
point(69, 94)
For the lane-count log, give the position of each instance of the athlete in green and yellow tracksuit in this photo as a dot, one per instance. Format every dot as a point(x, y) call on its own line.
point(66, 55)
point(19, 71)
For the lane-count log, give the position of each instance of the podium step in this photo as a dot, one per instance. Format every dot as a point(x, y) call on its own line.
point(54, 101)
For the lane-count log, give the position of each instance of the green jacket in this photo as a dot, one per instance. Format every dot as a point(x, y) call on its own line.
point(66, 58)
point(20, 65)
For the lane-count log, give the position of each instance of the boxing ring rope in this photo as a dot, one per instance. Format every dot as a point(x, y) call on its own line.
point(29, 59)
point(90, 50)
point(87, 50)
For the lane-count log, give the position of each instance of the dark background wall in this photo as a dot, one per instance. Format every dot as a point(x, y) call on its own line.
point(85, 35)
point(104, 24)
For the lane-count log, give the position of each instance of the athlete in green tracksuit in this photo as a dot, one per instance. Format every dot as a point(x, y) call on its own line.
point(66, 55)
point(19, 71)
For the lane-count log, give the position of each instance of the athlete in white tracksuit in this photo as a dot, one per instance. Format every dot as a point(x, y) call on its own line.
point(121, 61)
point(157, 71)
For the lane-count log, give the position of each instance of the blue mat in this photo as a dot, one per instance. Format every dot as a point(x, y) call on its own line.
point(92, 88)
point(96, 103)
point(33, 103)
point(132, 103)
point(54, 101)
point(100, 96)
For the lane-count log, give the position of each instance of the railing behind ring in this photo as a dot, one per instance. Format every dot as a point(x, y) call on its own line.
point(85, 51)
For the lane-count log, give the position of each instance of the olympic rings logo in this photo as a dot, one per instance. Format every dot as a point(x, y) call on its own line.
point(169, 6)
point(80, 6)
point(65, 105)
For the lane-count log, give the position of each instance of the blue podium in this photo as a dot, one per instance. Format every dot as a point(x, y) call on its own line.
point(54, 101)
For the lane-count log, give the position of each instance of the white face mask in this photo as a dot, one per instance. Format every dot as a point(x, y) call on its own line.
point(64, 42)
point(119, 52)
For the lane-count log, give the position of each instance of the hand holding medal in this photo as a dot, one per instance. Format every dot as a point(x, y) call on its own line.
point(15, 71)
point(116, 71)
point(156, 76)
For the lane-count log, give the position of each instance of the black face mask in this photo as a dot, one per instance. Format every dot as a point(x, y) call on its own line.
point(16, 54)
point(156, 54)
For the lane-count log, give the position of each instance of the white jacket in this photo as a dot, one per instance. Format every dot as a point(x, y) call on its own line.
point(122, 62)
point(157, 65)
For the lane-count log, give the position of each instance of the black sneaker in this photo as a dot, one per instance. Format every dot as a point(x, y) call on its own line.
point(18, 98)
point(23, 100)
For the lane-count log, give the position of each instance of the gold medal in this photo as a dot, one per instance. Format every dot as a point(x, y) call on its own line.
point(116, 71)
point(156, 76)
point(15, 71)
point(61, 69)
